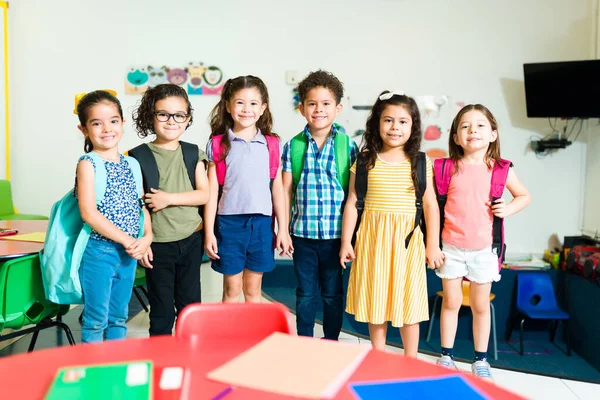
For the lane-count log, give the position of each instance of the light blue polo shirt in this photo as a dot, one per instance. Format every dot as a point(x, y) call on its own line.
point(247, 184)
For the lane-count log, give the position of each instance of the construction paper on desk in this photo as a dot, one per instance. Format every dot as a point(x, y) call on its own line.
point(293, 366)
point(126, 381)
point(38, 237)
point(421, 388)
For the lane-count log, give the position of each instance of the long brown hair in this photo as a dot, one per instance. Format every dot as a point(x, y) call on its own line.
point(372, 142)
point(457, 153)
point(220, 119)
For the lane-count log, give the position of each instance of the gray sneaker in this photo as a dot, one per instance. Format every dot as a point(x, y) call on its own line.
point(481, 369)
point(446, 362)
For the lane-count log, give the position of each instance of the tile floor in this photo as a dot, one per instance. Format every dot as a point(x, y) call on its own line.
point(528, 385)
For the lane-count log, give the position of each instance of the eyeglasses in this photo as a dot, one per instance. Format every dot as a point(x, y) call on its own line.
point(162, 116)
point(389, 95)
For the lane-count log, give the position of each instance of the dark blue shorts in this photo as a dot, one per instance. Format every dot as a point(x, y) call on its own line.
point(244, 242)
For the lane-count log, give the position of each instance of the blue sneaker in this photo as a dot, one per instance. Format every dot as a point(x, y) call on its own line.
point(446, 362)
point(482, 370)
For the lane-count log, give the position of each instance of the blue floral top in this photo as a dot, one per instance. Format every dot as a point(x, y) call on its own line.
point(120, 205)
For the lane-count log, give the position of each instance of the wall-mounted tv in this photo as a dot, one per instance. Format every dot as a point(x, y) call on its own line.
point(568, 89)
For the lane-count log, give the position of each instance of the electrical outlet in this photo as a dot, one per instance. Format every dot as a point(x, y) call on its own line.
point(291, 77)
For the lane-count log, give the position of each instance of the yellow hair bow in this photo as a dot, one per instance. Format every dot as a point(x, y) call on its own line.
point(79, 96)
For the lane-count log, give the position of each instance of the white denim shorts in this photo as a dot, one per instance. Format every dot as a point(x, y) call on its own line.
point(480, 266)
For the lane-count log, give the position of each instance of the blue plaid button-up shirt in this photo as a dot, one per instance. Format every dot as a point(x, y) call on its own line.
point(317, 210)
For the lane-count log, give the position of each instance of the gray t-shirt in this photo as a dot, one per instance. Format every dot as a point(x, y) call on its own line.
point(247, 182)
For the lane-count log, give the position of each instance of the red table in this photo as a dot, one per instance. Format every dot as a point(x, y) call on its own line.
point(13, 248)
point(28, 376)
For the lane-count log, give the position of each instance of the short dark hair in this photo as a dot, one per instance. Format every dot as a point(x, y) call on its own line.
point(143, 116)
point(324, 79)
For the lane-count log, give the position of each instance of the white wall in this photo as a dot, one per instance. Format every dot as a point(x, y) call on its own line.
point(472, 50)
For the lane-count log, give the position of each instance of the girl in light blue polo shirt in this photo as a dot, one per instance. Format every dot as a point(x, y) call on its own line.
point(238, 217)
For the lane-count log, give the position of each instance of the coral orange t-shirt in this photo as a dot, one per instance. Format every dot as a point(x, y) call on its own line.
point(467, 219)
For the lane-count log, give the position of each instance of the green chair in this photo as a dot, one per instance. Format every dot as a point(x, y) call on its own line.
point(23, 301)
point(140, 284)
point(7, 209)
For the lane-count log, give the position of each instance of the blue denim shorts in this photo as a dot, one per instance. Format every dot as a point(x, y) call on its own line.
point(244, 242)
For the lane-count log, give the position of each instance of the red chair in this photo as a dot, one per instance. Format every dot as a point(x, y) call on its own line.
point(218, 321)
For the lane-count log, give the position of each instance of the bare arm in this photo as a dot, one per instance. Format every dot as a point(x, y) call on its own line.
point(158, 199)
point(287, 182)
point(520, 199)
point(210, 213)
point(89, 212)
point(282, 212)
point(431, 210)
point(349, 219)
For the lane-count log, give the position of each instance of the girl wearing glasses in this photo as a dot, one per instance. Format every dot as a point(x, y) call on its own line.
point(238, 234)
point(388, 277)
point(178, 170)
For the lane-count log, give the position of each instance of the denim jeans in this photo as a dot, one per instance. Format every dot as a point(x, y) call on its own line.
point(174, 280)
point(318, 270)
point(106, 274)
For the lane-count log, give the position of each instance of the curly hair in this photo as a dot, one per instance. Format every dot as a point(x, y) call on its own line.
point(220, 119)
point(143, 116)
point(85, 105)
point(324, 79)
point(457, 153)
point(372, 142)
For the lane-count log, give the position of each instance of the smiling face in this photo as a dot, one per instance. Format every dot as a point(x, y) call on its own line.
point(474, 132)
point(395, 126)
point(170, 107)
point(320, 109)
point(104, 126)
point(246, 107)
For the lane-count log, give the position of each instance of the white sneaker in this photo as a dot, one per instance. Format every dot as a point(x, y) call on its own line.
point(446, 362)
point(482, 370)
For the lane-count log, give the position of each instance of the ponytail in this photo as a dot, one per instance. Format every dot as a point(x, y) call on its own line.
point(87, 145)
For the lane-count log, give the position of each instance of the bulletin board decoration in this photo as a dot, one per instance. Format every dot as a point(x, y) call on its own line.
point(196, 78)
point(296, 99)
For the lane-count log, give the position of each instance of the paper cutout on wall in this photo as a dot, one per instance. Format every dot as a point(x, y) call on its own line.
point(196, 78)
point(432, 132)
point(436, 153)
point(136, 80)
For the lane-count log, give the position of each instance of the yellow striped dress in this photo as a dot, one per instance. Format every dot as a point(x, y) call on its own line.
point(388, 281)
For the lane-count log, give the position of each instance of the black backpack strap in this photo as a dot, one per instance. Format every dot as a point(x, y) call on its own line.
point(360, 186)
point(144, 156)
point(190, 158)
point(419, 193)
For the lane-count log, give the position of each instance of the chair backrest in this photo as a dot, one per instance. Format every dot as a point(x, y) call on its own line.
point(22, 297)
point(218, 321)
point(535, 291)
point(6, 203)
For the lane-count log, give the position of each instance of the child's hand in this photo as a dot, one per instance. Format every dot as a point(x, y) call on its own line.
point(147, 258)
point(210, 246)
point(138, 248)
point(284, 244)
point(157, 200)
point(346, 254)
point(498, 208)
point(434, 256)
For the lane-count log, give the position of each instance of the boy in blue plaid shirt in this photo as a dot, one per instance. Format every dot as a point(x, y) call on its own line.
point(315, 194)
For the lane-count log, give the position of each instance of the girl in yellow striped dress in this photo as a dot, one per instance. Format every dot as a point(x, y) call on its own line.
point(387, 279)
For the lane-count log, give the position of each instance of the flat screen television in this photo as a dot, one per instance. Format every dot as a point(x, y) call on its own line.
point(568, 89)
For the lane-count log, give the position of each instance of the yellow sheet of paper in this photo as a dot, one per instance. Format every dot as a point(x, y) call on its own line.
point(285, 364)
point(39, 237)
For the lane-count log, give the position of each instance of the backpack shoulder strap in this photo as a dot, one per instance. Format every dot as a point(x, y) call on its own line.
point(442, 172)
point(298, 146)
point(220, 166)
point(99, 176)
point(360, 186)
point(419, 193)
point(499, 176)
point(190, 158)
point(341, 144)
point(136, 169)
point(147, 162)
point(274, 155)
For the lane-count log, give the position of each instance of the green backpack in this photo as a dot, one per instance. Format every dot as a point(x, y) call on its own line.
point(341, 144)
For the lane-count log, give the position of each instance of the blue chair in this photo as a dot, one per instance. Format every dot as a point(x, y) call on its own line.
point(536, 300)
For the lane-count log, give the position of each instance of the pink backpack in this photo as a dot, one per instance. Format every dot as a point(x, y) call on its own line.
point(221, 166)
point(443, 169)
